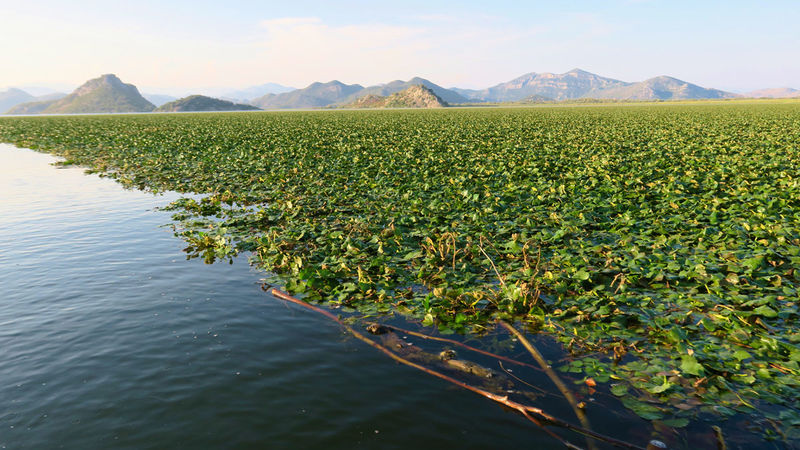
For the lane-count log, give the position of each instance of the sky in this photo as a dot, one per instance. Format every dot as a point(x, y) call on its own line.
point(180, 47)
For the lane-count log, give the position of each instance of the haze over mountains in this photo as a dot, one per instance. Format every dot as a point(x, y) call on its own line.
point(14, 96)
point(247, 94)
point(774, 93)
point(314, 96)
point(108, 94)
point(159, 99)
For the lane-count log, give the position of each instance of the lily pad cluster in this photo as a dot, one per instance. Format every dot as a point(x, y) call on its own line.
point(659, 244)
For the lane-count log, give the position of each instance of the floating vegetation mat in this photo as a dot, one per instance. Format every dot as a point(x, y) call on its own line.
point(659, 244)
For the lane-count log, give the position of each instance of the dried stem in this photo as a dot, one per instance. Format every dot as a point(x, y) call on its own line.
point(480, 246)
point(721, 445)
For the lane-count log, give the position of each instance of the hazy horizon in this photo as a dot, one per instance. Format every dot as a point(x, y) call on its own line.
point(201, 47)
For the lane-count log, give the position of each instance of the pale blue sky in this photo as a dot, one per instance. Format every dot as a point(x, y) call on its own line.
point(180, 46)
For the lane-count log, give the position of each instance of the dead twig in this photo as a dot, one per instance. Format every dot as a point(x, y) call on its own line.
point(480, 246)
point(721, 445)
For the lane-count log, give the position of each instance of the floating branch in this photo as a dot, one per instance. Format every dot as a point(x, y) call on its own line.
point(462, 345)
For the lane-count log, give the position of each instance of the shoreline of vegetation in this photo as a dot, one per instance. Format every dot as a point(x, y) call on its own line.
point(660, 246)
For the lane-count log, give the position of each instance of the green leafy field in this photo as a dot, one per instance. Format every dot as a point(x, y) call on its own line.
point(659, 244)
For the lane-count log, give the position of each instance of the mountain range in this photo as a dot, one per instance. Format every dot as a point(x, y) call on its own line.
point(774, 93)
point(108, 94)
point(573, 84)
point(578, 83)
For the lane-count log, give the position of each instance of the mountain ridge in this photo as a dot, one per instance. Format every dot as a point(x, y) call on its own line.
point(314, 95)
point(158, 99)
point(385, 90)
point(13, 97)
point(105, 94)
point(568, 85)
point(659, 88)
point(416, 96)
point(197, 103)
point(784, 92)
point(253, 92)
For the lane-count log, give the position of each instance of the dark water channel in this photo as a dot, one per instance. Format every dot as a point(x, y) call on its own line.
point(110, 338)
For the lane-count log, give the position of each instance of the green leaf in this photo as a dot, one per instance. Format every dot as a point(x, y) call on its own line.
point(690, 365)
point(412, 255)
point(581, 275)
point(753, 263)
point(676, 423)
point(643, 410)
point(765, 311)
point(619, 389)
point(660, 388)
point(747, 379)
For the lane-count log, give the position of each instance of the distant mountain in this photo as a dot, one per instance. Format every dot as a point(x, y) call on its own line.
point(573, 84)
point(472, 95)
point(417, 96)
point(773, 93)
point(13, 97)
point(580, 84)
point(203, 103)
point(659, 88)
point(384, 90)
point(314, 96)
point(159, 99)
point(106, 94)
point(30, 107)
point(253, 92)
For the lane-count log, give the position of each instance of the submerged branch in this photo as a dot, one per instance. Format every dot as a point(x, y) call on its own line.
point(525, 410)
point(573, 402)
point(462, 345)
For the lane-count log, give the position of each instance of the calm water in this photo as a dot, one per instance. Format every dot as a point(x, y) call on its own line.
point(109, 338)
